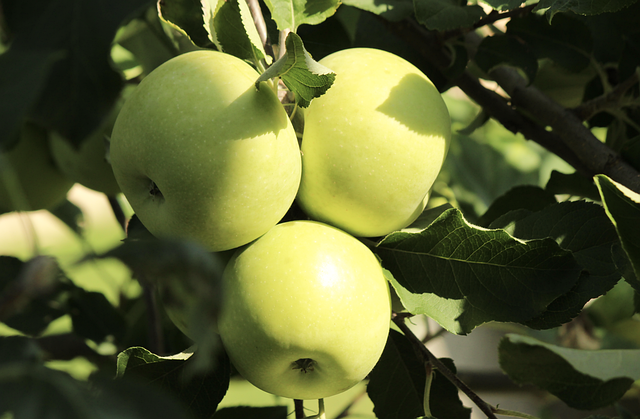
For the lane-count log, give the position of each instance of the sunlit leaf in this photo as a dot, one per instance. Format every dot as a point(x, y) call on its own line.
point(623, 209)
point(290, 14)
point(304, 76)
point(463, 275)
point(582, 228)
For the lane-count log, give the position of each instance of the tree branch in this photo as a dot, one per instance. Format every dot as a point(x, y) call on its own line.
point(417, 343)
point(587, 110)
point(569, 138)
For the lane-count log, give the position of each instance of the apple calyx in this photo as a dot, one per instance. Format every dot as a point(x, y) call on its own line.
point(305, 365)
point(154, 191)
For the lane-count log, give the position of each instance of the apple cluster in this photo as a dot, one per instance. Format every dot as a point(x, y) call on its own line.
point(201, 153)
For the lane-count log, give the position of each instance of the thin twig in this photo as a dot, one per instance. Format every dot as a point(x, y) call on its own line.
point(482, 405)
point(587, 110)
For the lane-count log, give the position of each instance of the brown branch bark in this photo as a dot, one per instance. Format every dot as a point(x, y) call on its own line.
point(568, 138)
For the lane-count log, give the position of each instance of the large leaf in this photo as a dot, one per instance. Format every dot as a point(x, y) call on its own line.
point(499, 50)
point(445, 15)
point(463, 275)
point(82, 84)
point(400, 375)
point(623, 209)
point(583, 379)
point(230, 26)
point(582, 228)
point(201, 393)
point(304, 76)
point(290, 14)
point(566, 41)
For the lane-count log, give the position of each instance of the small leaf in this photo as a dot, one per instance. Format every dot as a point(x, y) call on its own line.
point(582, 7)
point(231, 29)
point(304, 76)
point(582, 228)
point(566, 41)
point(527, 197)
point(583, 379)
point(392, 10)
point(622, 206)
point(575, 184)
point(70, 214)
point(443, 15)
point(188, 17)
point(291, 14)
point(463, 275)
point(201, 393)
point(499, 50)
point(504, 5)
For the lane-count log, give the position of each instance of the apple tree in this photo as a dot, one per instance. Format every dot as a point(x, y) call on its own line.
point(528, 224)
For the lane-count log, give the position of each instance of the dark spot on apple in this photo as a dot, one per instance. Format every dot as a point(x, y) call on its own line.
point(305, 365)
point(154, 191)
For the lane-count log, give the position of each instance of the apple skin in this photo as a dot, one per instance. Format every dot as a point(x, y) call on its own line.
point(201, 154)
point(88, 164)
point(44, 186)
point(304, 290)
point(373, 145)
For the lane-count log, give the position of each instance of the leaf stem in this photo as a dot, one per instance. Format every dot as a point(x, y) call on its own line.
point(487, 409)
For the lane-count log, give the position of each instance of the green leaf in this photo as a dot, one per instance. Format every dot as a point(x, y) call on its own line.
point(187, 279)
point(93, 317)
point(304, 76)
point(32, 293)
point(574, 184)
point(290, 14)
point(623, 209)
point(582, 228)
point(443, 15)
point(401, 375)
point(188, 17)
point(582, 7)
point(499, 50)
point(250, 412)
point(583, 379)
point(527, 197)
point(463, 275)
point(504, 5)
point(398, 375)
point(566, 41)
point(392, 10)
point(70, 214)
point(201, 393)
point(24, 76)
point(231, 28)
point(82, 85)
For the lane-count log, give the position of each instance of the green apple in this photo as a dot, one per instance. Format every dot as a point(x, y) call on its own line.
point(373, 145)
point(29, 178)
point(88, 164)
point(201, 153)
point(306, 311)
